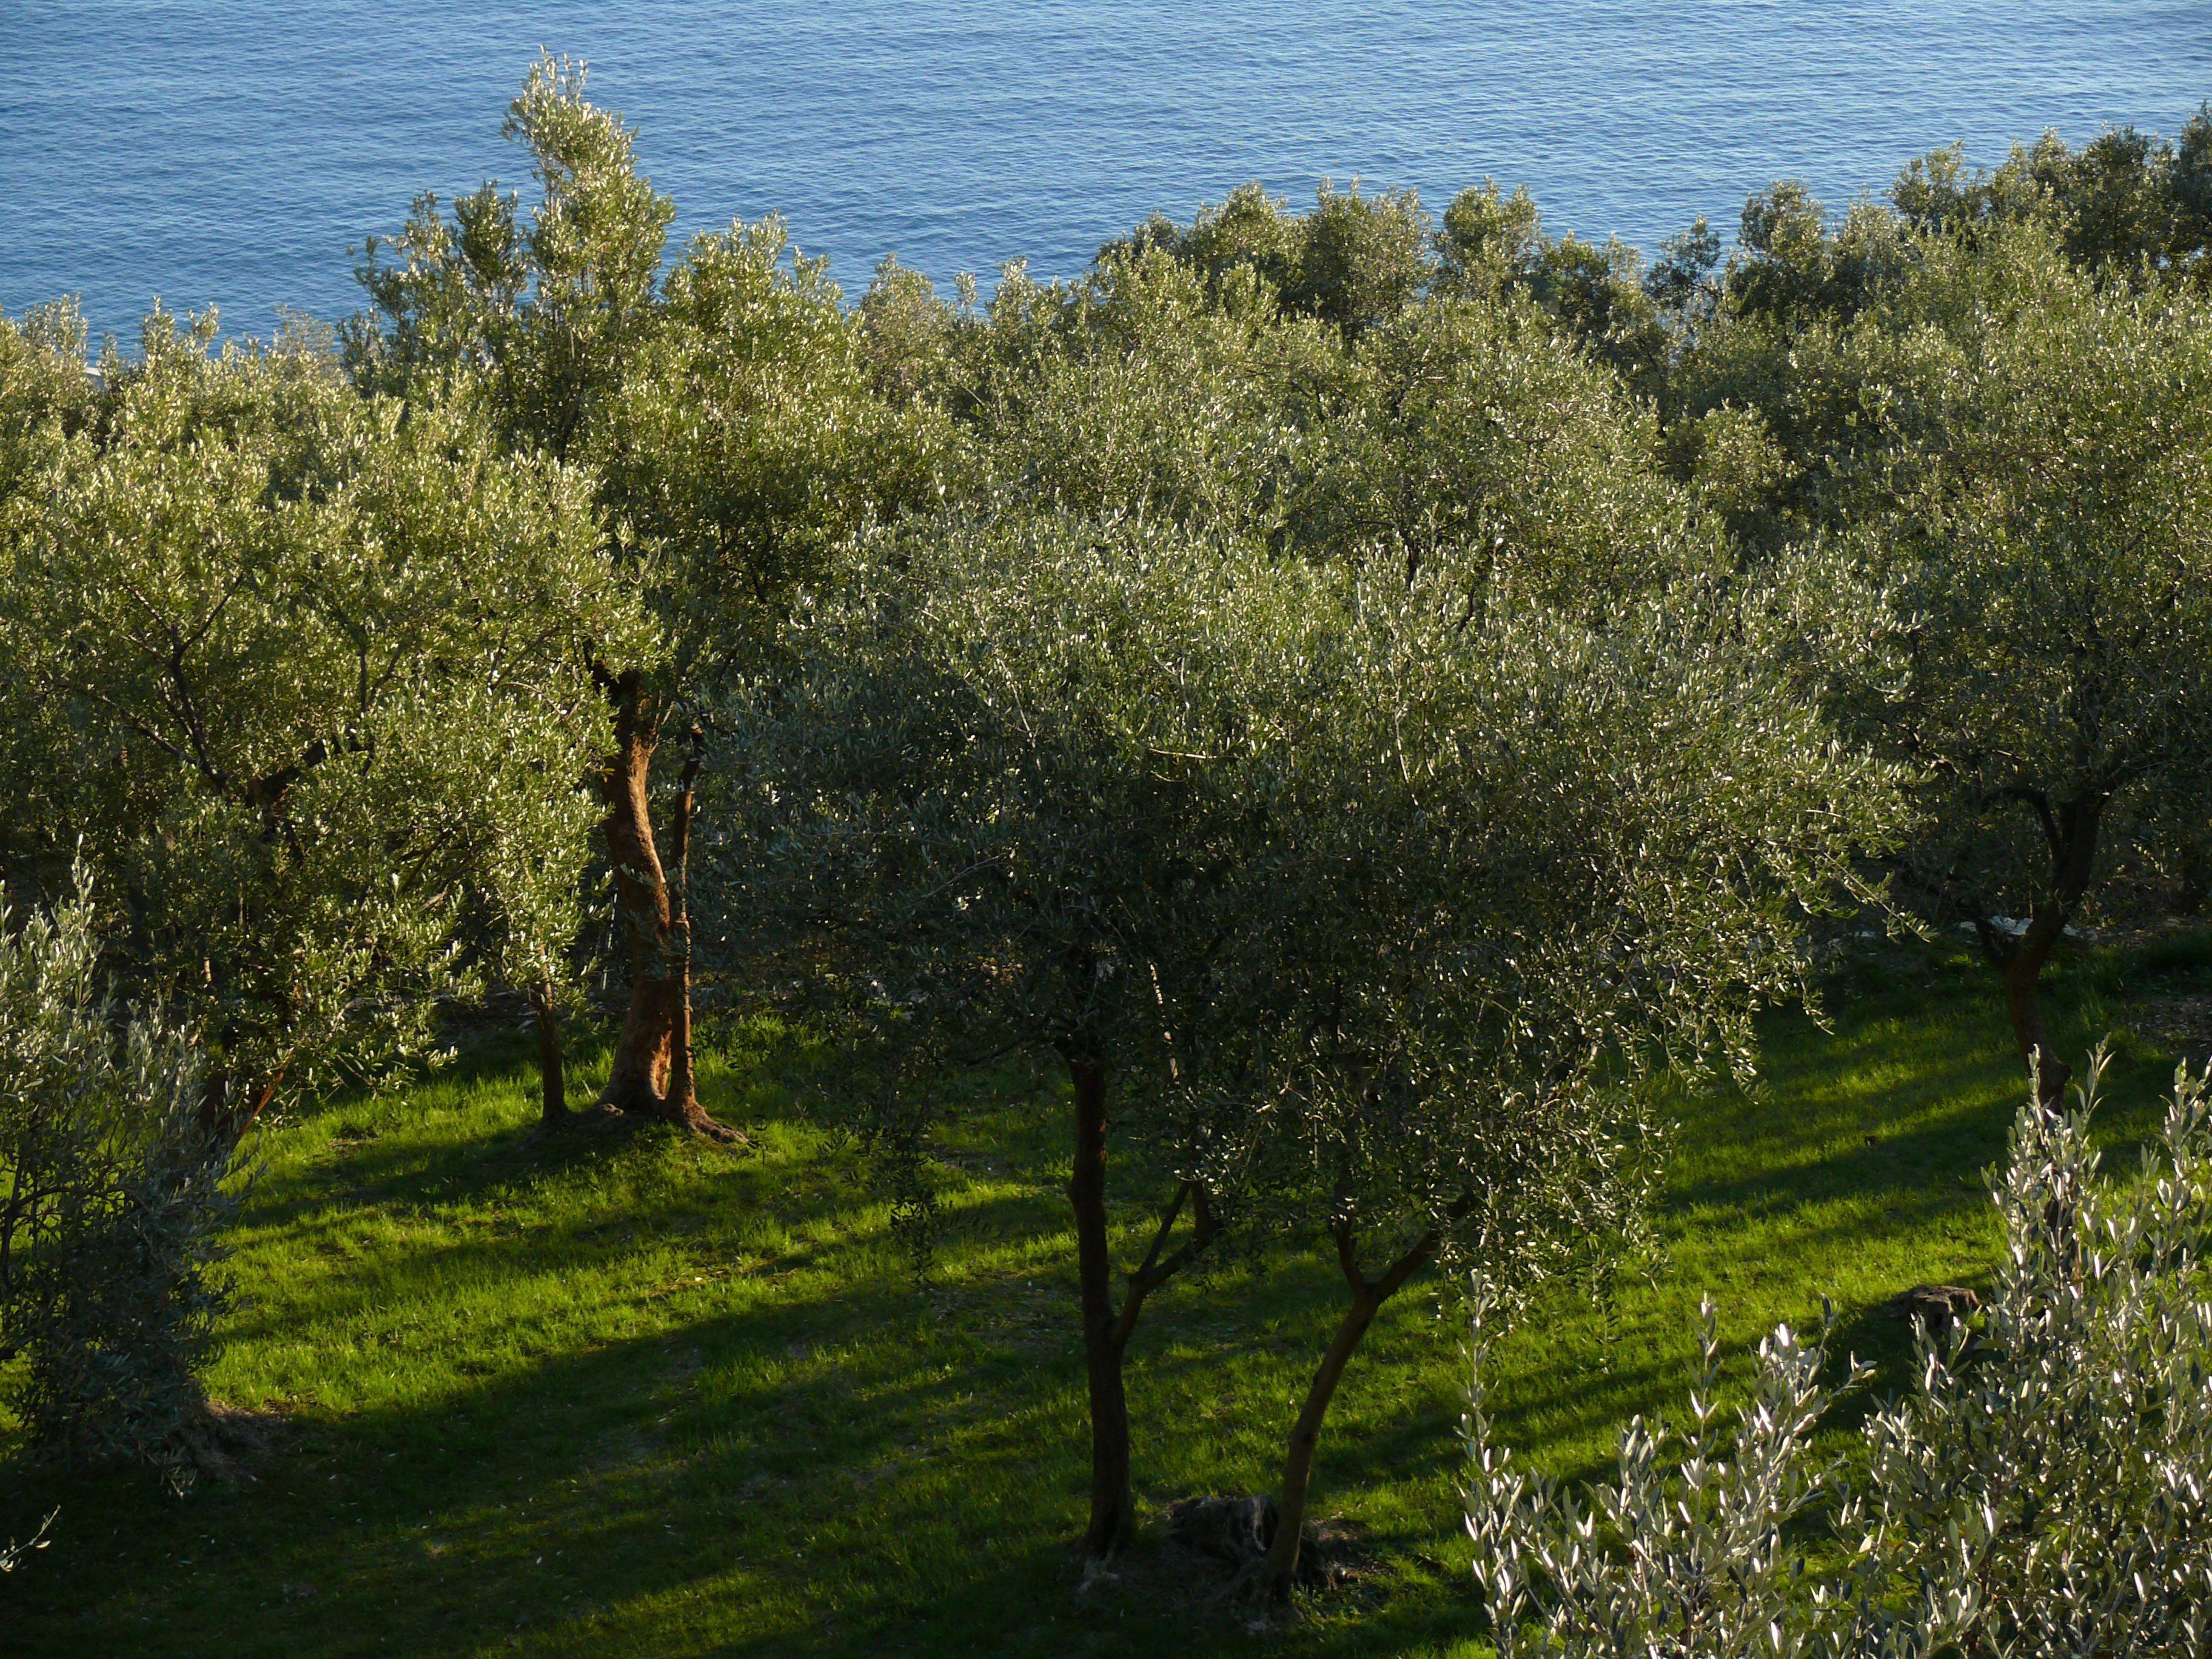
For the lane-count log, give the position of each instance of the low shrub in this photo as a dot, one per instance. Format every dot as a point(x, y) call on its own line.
point(114, 1191)
point(2044, 1486)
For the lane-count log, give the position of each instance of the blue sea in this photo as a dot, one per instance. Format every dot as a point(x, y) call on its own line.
point(213, 152)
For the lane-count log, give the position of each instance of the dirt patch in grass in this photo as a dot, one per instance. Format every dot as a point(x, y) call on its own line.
point(2181, 1022)
point(1209, 1560)
point(229, 1440)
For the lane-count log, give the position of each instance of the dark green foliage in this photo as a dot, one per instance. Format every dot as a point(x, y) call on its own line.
point(1354, 262)
point(2127, 202)
point(1596, 295)
point(1021, 775)
point(2012, 597)
point(115, 1191)
point(1473, 438)
point(294, 671)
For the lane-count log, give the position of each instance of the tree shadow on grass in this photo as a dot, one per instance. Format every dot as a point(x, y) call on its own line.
point(838, 1473)
point(767, 1438)
point(741, 1453)
point(813, 1445)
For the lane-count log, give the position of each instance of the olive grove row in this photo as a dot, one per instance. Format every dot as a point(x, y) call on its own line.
point(1357, 690)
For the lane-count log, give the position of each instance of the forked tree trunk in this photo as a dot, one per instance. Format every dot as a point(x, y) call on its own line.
point(1279, 1572)
point(651, 1075)
point(1111, 1506)
point(2071, 836)
point(1106, 1332)
point(552, 1074)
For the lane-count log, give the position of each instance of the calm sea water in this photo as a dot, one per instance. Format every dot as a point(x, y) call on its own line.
point(213, 151)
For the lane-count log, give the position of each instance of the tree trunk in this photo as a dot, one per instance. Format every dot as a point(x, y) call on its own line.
point(1112, 1510)
point(1280, 1568)
point(682, 1092)
point(638, 1077)
point(552, 1078)
point(1153, 1272)
point(652, 1074)
point(229, 1106)
point(2070, 835)
point(2023, 997)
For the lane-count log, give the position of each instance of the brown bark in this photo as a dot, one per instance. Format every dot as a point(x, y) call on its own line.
point(1106, 1334)
point(1279, 1571)
point(2024, 1007)
point(2070, 834)
point(652, 1074)
point(639, 1074)
point(1155, 1270)
point(229, 1108)
point(552, 1078)
point(682, 1093)
point(1112, 1509)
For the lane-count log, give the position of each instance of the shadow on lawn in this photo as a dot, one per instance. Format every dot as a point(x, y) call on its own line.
point(837, 1452)
point(806, 1453)
point(874, 1499)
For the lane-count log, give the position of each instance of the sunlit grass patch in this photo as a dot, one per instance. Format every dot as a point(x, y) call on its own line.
point(639, 1394)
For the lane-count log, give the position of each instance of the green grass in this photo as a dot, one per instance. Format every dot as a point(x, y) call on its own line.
point(646, 1397)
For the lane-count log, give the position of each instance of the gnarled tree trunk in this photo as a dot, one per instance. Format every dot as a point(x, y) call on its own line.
point(638, 1077)
point(651, 1075)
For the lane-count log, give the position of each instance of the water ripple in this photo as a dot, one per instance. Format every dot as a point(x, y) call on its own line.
point(233, 153)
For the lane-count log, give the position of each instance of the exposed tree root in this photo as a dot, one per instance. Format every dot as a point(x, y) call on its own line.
point(605, 1116)
point(1230, 1538)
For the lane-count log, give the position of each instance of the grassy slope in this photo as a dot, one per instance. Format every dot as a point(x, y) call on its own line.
point(649, 1398)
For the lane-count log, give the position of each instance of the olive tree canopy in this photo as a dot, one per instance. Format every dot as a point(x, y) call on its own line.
point(1522, 859)
point(1355, 904)
point(730, 426)
point(1014, 795)
point(2016, 602)
point(303, 677)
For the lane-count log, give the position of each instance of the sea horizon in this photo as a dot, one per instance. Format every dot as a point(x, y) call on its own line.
point(239, 154)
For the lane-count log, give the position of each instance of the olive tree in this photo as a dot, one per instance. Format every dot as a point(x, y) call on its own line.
point(1596, 295)
point(2016, 599)
point(1356, 905)
point(1470, 434)
point(2128, 201)
point(2043, 1485)
point(1527, 859)
point(113, 1185)
point(1015, 789)
point(733, 429)
point(303, 676)
point(547, 312)
point(1141, 391)
point(1352, 263)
